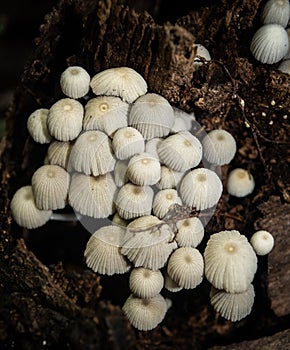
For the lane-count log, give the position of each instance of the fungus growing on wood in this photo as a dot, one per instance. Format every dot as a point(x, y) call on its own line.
point(145, 283)
point(127, 142)
point(276, 12)
point(37, 126)
point(240, 183)
point(75, 82)
point(262, 241)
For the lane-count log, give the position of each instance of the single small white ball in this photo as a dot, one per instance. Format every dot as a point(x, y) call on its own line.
point(240, 183)
point(262, 242)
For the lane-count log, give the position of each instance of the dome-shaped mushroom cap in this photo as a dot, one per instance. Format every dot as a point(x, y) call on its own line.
point(123, 82)
point(152, 115)
point(144, 169)
point(201, 188)
point(58, 153)
point(102, 253)
point(186, 267)
point(37, 126)
point(145, 314)
point(262, 241)
point(233, 306)
point(65, 119)
point(145, 283)
point(75, 82)
point(169, 284)
point(230, 261)
point(180, 151)
point(163, 201)
point(190, 232)
point(201, 52)
point(276, 12)
point(105, 113)
point(127, 142)
point(92, 154)
point(24, 210)
point(219, 147)
point(270, 43)
point(169, 178)
point(240, 183)
point(50, 185)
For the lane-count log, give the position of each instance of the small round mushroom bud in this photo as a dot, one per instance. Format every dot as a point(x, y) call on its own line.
point(186, 267)
point(152, 115)
point(233, 306)
point(50, 185)
point(37, 126)
point(180, 151)
point(75, 82)
point(169, 178)
point(276, 12)
point(145, 283)
point(123, 82)
point(284, 66)
point(102, 253)
point(65, 119)
point(127, 142)
point(163, 201)
point(201, 188)
point(262, 241)
point(24, 210)
point(201, 53)
point(145, 314)
point(240, 183)
point(270, 43)
point(219, 147)
point(190, 232)
point(58, 153)
point(105, 113)
point(230, 261)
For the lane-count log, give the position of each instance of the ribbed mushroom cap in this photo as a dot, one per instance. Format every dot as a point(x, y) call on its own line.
point(230, 261)
point(219, 147)
point(120, 172)
point(145, 314)
point(93, 196)
point(75, 82)
point(169, 178)
point(105, 113)
point(133, 201)
point(37, 126)
point(144, 169)
point(123, 82)
point(151, 146)
point(169, 284)
point(201, 188)
point(65, 119)
point(50, 185)
point(233, 306)
point(186, 267)
point(270, 43)
point(58, 153)
point(180, 151)
point(240, 183)
point(127, 142)
point(102, 253)
point(276, 12)
point(201, 52)
point(152, 115)
point(190, 232)
point(145, 283)
point(118, 221)
point(24, 210)
point(92, 154)
point(262, 241)
point(163, 201)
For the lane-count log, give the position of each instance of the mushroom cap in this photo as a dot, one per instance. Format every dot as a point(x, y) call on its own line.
point(105, 113)
point(65, 119)
point(92, 154)
point(102, 253)
point(240, 183)
point(169, 178)
point(24, 210)
point(169, 284)
point(233, 306)
point(127, 142)
point(276, 12)
point(152, 115)
point(190, 232)
point(50, 184)
point(270, 43)
point(123, 82)
point(37, 126)
point(180, 151)
point(219, 147)
point(75, 82)
point(201, 51)
point(284, 66)
point(93, 195)
point(145, 314)
point(200, 188)
point(262, 241)
point(58, 153)
point(144, 169)
point(163, 202)
point(186, 267)
point(230, 261)
point(145, 283)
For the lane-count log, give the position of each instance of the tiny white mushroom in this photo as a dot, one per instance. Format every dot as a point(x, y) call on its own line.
point(169, 284)
point(240, 183)
point(201, 53)
point(276, 12)
point(37, 126)
point(75, 82)
point(284, 66)
point(190, 232)
point(127, 142)
point(163, 201)
point(58, 153)
point(262, 241)
point(145, 283)
point(169, 178)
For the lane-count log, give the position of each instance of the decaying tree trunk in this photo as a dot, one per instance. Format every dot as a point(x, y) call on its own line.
point(49, 299)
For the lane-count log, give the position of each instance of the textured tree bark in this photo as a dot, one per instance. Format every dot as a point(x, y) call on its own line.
point(50, 299)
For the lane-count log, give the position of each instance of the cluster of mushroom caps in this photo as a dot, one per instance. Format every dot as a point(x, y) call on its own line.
point(129, 156)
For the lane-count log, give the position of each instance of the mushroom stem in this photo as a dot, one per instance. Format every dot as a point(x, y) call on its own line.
point(64, 217)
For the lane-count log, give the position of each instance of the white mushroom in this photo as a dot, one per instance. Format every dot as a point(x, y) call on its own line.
point(145, 283)
point(240, 183)
point(75, 82)
point(262, 241)
point(37, 126)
